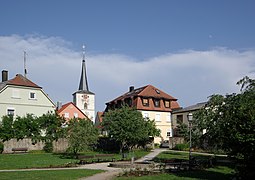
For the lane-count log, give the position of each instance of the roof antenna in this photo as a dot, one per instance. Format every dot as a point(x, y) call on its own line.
point(25, 68)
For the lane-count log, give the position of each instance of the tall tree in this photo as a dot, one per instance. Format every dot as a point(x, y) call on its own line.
point(128, 126)
point(82, 135)
point(230, 124)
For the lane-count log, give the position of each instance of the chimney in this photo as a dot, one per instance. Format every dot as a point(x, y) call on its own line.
point(131, 88)
point(4, 75)
point(59, 105)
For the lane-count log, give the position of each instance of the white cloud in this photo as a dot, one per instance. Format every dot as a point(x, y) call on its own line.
point(191, 76)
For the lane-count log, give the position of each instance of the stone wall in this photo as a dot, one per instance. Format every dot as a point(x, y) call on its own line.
point(175, 140)
point(58, 146)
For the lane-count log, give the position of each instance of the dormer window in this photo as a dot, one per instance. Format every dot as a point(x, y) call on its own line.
point(157, 102)
point(145, 102)
point(167, 104)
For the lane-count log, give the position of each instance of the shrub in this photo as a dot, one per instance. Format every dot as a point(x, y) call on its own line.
point(1, 147)
point(181, 147)
point(48, 147)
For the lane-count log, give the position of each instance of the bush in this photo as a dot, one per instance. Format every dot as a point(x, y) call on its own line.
point(181, 147)
point(48, 147)
point(1, 147)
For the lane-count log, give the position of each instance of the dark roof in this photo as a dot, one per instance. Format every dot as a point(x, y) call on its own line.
point(19, 80)
point(191, 108)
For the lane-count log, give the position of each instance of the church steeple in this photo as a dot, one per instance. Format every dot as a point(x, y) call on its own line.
point(83, 98)
point(83, 86)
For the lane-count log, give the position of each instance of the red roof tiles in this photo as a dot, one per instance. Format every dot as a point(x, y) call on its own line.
point(20, 80)
point(151, 93)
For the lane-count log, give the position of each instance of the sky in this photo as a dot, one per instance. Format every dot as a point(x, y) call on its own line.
point(189, 49)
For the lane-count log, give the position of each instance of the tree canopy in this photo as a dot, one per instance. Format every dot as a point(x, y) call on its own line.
point(81, 135)
point(230, 124)
point(44, 128)
point(127, 126)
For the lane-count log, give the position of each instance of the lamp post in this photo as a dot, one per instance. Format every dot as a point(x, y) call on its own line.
point(190, 118)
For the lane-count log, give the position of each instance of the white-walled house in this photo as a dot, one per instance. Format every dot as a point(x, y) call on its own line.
point(20, 96)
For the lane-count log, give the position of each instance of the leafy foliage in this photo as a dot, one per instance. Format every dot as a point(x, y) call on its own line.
point(50, 125)
point(230, 124)
point(6, 130)
point(44, 128)
point(127, 126)
point(82, 134)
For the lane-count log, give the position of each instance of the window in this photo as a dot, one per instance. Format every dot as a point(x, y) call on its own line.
point(75, 115)
point(157, 118)
point(167, 104)
point(32, 95)
point(85, 105)
point(10, 112)
point(168, 118)
point(169, 133)
point(180, 119)
point(146, 115)
point(145, 101)
point(156, 102)
point(15, 93)
point(66, 115)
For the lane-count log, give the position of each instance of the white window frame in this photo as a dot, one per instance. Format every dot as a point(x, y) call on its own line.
point(10, 109)
point(75, 115)
point(145, 115)
point(169, 133)
point(15, 94)
point(157, 118)
point(30, 93)
point(66, 115)
point(168, 118)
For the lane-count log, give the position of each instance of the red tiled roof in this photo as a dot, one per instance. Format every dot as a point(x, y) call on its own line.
point(20, 80)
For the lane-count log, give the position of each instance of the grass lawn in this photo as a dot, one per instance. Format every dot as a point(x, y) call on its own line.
point(40, 160)
point(49, 175)
point(27, 160)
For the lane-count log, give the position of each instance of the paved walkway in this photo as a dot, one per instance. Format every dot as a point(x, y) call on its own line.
point(111, 172)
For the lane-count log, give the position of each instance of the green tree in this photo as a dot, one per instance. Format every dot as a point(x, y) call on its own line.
point(50, 126)
point(6, 128)
point(230, 124)
point(26, 127)
point(82, 135)
point(127, 126)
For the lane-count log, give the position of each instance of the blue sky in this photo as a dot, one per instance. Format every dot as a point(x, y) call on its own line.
point(189, 49)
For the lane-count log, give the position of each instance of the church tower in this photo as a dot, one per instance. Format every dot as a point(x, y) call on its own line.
point(83, 98)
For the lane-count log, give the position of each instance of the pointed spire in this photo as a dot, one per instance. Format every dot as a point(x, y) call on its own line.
point(83, 82)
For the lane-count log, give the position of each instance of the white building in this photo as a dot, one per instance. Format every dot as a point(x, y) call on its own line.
point(20, 96)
